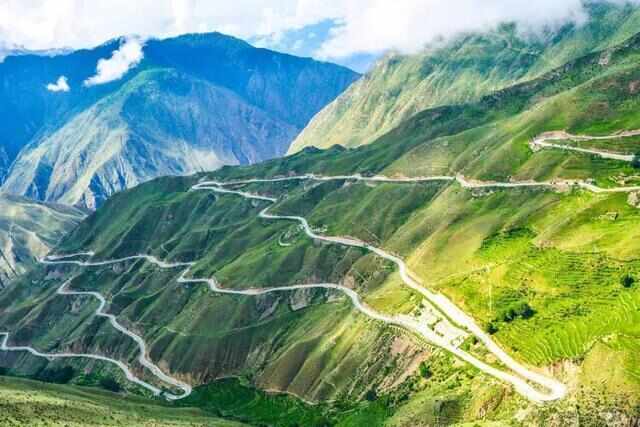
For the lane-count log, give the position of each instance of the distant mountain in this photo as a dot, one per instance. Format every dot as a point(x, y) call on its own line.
point(194, 102)
point(28, 229)
point(459, 71)
point(7, 50)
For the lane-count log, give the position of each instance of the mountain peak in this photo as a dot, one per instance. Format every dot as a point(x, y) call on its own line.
point(217, 97)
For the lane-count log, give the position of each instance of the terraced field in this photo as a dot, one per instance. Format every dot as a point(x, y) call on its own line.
point(578, 298)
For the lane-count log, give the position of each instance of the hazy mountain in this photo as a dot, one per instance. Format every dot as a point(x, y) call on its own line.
point(28, 229)
point(458, 71)
point(194, 102)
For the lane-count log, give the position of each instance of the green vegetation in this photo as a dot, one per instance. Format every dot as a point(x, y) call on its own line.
point(519, 310)
point(548, 273)
point(488, 139)
point(425, 370)
point(31, 403)
point(461, 71)
point(230, 399)
point(56, 375)
point(627, 280)
point(108, 383)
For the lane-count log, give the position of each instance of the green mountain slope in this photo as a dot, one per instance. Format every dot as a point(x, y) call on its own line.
point(463, 70)
point(28, 229)
point(550, 272)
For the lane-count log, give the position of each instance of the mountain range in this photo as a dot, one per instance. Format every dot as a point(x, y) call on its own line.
point(195, 102)
point(453, 240)
point(462, 70)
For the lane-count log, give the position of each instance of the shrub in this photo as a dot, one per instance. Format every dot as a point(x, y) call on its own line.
point(371, 395)
point(635, 162)
point(56, 375)
point(492, 328)
point(520, 310)
point(524, 311)
point(110, 384)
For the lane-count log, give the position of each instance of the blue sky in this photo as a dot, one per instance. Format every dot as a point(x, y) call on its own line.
point(308, 40)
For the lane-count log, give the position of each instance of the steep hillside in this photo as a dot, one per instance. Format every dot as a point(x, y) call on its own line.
point(28, 229)
point(160, 123)
point(462, 70)
point(235, 104)
point(547, 267)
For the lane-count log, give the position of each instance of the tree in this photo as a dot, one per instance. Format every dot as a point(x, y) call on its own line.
point(627, 281)
point(425, 370)
point(635, 162)
point(522, 310)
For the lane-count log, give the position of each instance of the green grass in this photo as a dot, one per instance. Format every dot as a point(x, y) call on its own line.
point(230, 399)
point(462, 70)
point(577, 298)
point(488, 138)
point(31, 403)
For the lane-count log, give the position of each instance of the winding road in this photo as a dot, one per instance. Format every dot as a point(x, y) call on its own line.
point(546, 389)
point(142, 358)
point(558, 184)
point(129, 375)
point(556, 390)
point(543, 141)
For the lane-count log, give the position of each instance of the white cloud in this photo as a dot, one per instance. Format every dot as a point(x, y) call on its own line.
point(61, 85)
point(45, 24)
point(367, 25)
point(407, 25)
point(127, 56)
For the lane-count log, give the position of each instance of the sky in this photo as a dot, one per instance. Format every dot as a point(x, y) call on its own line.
point(350, 32)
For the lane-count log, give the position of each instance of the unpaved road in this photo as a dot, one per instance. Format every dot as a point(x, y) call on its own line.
point(555, 389)
point(142, 358)
point(464, 182)
point(543, 141)
point(547, 389)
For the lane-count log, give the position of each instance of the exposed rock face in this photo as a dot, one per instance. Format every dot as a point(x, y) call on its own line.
point(170, 115)
point(301, 298)
point(634, 199)
point(4, 164)
point(160, 123)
